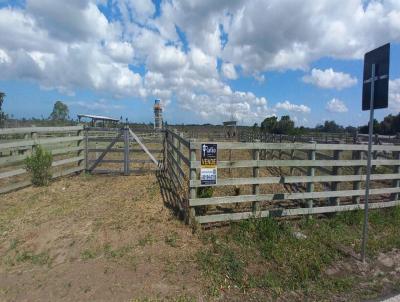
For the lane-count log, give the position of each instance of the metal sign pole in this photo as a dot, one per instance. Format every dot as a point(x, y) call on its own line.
point(371, 130)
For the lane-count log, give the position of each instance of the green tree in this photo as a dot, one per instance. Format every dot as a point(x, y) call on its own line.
point(60, 112)
point(3, 116)
point(330, 126)
point(269, 124)
point(285, 125)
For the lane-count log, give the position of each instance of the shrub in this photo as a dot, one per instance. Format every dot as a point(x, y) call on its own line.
point(39, 165)
point(205, 192)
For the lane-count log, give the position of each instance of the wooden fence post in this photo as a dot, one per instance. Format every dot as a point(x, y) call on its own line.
point(256, 174)
point(80, 152)
point(86, 149)
point(174, 154)
point(193, 176)
point(311, 172)
point(179, 147)
point(164, 165)
point(335, 184)
point(126, 150)
point(34, 137)
point(396, 182)
point(357, 171)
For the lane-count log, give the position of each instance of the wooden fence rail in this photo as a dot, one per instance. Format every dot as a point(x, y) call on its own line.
point(65, 143)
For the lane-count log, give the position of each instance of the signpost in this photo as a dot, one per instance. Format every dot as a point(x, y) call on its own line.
point(208, 171)
point(374, 96)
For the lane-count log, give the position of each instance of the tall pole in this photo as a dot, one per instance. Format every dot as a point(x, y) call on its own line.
point(371, 130)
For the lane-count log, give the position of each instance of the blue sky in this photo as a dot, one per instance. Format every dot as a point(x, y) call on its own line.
point(206, 60)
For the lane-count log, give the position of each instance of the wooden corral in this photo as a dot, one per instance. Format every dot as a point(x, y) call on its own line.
point(257, 179)
point(76, 149)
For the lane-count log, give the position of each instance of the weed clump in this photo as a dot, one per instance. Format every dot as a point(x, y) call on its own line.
point(205, 192)
point(39, 165)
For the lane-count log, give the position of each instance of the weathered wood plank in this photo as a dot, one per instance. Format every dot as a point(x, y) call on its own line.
point(7, 131)
point(298, 146)
point(12, 173)
point(26, 183)
point(19, 158)
point(287, 196)
point(67, 161)
point(297, 163)
point(293, 212)
point(295, 179)
point(40, 141)
point(121, 150)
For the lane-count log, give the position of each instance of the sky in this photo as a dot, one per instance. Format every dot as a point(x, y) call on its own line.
point(206, 60)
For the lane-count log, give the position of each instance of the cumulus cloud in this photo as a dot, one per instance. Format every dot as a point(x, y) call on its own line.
point(229, 71)
point(286, 105)
point(336, 106)
point(257, 43)
point(329, 78)
point(394, 95)
point(133, 51)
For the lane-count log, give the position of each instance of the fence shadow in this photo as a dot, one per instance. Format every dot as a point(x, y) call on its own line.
point(171, 198)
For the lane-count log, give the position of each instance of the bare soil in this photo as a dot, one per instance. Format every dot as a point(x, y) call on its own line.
point(100, 238)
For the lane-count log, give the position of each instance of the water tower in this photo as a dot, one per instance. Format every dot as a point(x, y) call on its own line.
point(158, 120)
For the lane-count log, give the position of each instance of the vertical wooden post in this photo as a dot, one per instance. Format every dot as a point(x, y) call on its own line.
point(126, 150)
point(396, 182)
point(34, 137)
point(311, 172)
point(357, 171)
point(256, 174)
point(193, 176)
point(335, 184)
point(86, 149)
point(165, 153)
point(179, 147)
point(80, 152)
point(173, 152)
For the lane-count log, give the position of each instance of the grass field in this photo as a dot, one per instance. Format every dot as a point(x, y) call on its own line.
point(114, 238)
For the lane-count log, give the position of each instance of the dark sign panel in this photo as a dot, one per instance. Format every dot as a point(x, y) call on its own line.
point(379, 57)
point(209, 155)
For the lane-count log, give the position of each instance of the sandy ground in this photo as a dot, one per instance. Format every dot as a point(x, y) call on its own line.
point(99, 238)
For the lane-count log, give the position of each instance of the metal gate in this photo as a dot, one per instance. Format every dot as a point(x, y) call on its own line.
point(117, 151)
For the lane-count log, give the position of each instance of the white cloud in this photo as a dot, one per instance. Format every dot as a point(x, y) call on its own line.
point(336, 106)
point(229, 71)
point(259, 40)
point(70, 45)
point(329, 78)
point(394, 95)
point(286, 105)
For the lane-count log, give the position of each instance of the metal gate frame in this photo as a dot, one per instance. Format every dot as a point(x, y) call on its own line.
point(124, 135)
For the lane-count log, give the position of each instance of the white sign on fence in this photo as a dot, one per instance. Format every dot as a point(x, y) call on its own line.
point(208, 176)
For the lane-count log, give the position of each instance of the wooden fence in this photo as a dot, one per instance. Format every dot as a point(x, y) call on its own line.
point(176, 165)
point(251, 135)
point(281, 179)
point(65, 143)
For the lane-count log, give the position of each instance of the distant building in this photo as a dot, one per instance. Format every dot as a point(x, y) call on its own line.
point(98, 120)
point(230, 130)
point(158, 119)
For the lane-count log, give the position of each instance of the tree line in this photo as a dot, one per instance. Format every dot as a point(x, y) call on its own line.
point(390, 125)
